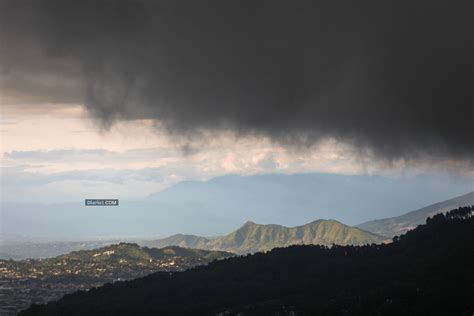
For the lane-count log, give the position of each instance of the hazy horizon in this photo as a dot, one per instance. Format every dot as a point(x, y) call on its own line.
point(220, 205)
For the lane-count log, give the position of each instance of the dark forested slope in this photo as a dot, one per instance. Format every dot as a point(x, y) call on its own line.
point(427, 271)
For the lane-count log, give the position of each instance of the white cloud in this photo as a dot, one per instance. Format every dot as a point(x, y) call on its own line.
point(59, 153)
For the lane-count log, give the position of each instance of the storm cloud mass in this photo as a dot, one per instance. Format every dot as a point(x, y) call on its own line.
point(391, 77)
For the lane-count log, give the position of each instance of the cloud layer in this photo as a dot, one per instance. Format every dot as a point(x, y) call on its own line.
point(392, 78)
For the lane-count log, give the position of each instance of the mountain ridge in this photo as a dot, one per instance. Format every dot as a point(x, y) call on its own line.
point(398, 225)
point(252, 237)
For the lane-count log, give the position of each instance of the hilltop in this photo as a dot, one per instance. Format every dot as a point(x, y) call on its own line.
point(136, 253)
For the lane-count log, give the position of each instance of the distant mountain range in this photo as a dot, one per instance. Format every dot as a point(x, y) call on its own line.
point(252, 237)
point(399, 225)
point(219, 205)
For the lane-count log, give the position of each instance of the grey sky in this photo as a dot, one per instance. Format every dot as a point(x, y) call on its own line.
point(392, 78)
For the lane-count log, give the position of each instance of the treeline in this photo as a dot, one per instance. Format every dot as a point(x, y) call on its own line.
point(427, 271)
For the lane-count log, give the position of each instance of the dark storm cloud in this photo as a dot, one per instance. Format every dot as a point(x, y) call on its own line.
point(393, 77)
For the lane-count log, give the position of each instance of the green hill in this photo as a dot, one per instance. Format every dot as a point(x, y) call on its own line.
point(252, 237)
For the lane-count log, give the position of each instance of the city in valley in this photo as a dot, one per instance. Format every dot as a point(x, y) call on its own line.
point(24, 282)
